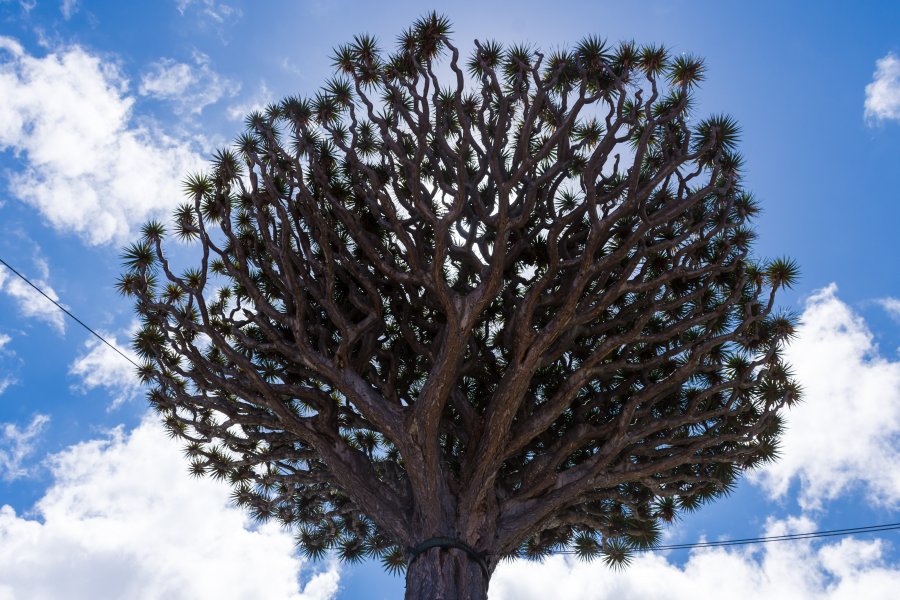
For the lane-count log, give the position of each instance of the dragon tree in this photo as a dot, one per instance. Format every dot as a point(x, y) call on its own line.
point(455, 309)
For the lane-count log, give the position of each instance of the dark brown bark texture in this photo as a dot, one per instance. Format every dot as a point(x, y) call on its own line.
point(445, 574)
point(508, 300)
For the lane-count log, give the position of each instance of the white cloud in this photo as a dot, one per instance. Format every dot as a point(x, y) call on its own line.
point(257, 102)
point(101, 366)
point(69, 8)
point(89, 168)
point(31, 303)
point(123, 519)
point(883, 94)
point(892, 306)
point(25, 5)
point(846, 433)
point(217, 11)
point(789, 570)
point(6, 380)
point(16, 445)
point(190, 87)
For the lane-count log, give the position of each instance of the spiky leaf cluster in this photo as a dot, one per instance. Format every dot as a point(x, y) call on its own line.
point(515, 305)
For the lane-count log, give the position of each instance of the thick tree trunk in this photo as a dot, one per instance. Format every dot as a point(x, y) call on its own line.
point(445, 574)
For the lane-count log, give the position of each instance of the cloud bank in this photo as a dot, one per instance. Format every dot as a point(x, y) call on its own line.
point(123, 519)
point(846, 434)
point(846, 569)
point(89, 167)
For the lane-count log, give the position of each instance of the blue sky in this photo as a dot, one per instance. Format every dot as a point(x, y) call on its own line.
point(105, 105)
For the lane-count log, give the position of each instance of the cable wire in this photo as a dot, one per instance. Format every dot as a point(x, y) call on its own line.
point(735, 542)
point(65, 310)
point(768, 539)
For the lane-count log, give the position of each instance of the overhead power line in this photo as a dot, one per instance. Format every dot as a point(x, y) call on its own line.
point(769, 539)
point(714, 544)
point(66, 311)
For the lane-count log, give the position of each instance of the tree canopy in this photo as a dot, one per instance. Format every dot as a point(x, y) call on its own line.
point(450, 310)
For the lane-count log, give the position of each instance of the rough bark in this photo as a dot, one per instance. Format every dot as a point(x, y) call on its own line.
point(445, 574)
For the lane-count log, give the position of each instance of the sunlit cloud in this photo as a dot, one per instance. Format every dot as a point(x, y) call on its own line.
point(189, 87)
point(124, 519)
point(17, 444)
point(883, 94)
point(30, 302)
point(99, 366)
point(848, 568)
point(845, 436)
point(89, 167)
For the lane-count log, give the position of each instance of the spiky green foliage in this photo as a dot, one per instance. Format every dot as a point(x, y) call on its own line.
point(518, 307)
